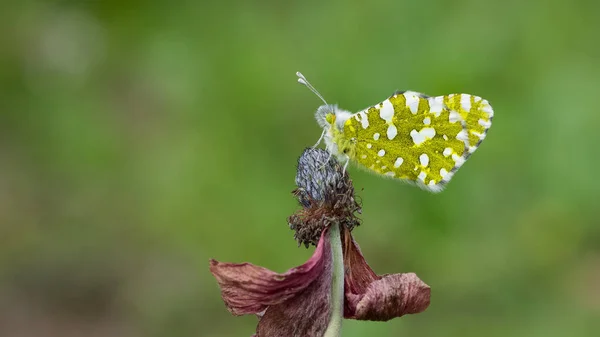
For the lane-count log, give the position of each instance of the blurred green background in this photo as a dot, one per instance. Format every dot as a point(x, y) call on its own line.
point(139, 139)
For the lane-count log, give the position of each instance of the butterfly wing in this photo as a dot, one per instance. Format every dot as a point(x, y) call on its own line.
point(417, 138)
point(477, 114)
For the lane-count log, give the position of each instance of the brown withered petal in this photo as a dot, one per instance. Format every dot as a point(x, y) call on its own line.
point(379, 298)
point(250, 289)
point(391, 296)
point(307, 314)
point(295, 303)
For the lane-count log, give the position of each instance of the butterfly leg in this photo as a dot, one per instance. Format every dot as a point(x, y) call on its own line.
point(326, 161)
point(329, 158)
point(346, 164)
point(320, 139)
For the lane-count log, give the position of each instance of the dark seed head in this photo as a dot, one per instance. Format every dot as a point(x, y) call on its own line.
point(326, 194)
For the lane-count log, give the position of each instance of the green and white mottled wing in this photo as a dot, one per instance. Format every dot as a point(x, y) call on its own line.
point(477, 114)
point(417, 138)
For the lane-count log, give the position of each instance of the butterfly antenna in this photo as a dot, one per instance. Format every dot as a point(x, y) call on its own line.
point(303, 80)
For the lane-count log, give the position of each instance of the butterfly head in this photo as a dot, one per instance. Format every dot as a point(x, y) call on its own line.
point(332, 120)
point(329, 115)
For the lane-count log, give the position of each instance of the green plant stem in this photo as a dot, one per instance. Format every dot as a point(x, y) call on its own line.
point(334, 329)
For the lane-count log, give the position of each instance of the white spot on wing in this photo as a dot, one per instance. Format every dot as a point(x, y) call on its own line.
point(390, 173)
point(458, 160)
point(427, 121)
point(376, 136)
point(424, 159)
point(422, 176)
point(487, 109)
point(484, 123)
point(465, 102)
point(447, 152)
point(480, 135)
point(381, 153)
point(364, 119)
point(445, 137)
point(463, 136)
point(387, 111)
point(436, 105)
point(421, 136)
point(412, 102)
point(369, 145)
point(398, 162)
point(443, 173)
point(392, 132)
point(454, 117)
point(364, 156)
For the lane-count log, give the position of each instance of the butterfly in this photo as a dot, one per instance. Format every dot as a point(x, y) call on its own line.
point(409, 136)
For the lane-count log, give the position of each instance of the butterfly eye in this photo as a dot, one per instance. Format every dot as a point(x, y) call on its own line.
point(330, 118)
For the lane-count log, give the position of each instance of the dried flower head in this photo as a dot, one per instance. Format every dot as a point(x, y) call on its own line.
point(336, 282)
point(326, 193)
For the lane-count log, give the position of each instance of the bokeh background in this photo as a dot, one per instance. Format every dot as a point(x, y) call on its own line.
point(139, 139)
